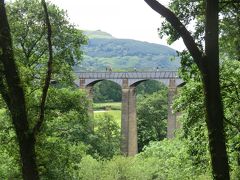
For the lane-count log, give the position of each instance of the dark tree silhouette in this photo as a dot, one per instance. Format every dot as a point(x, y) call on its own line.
point(208, 64)
point(13, 94)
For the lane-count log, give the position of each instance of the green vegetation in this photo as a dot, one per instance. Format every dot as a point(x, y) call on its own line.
point(209, 43)
point(116, 114)
point(107, 106)
point(68, 144)
point(167, 159)
point(151, 118)
point(26, 89)
point(194, 130)
point(64, 136)
point(113, 109)
point(98, 34)
point(106, 130)
point(124, 54)
point(107, 91)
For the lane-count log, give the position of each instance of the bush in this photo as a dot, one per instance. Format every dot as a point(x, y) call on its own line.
point(167, 159)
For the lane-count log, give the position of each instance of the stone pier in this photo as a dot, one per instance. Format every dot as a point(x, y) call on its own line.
point(171, 123)
point(129, 120)
point(89, 90)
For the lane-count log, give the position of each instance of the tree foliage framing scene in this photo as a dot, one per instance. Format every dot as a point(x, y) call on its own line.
point(53, 128)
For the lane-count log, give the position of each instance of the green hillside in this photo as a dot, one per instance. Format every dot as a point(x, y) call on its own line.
point(103, 50)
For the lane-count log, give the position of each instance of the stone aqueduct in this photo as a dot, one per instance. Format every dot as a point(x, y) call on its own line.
point(128, 82)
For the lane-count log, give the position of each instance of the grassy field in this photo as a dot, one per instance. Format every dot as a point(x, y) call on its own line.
point(107, 106)
point(113, 109)
point(115, 113)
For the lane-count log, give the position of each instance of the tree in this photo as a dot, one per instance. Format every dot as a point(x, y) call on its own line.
point(149, 87)
point(107, 91)
point(30, 45)
point(65, 136)
point(16, 87)
point(208, 64)
point(192, 13)
point(13, 94)
point(194, 130)
point(107, 134)
point(151, 117)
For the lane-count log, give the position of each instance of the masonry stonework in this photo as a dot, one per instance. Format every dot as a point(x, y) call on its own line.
point(171, 123)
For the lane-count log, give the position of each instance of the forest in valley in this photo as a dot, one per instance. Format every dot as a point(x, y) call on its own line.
point(47, 133)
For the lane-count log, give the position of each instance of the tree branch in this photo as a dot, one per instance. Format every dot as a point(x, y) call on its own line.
point(180, 28)
point(37, 58)
point(232, 123)
point(230, 1)
point(29, 54)
point(38, 125)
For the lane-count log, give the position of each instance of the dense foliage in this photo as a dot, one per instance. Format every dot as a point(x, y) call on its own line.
point(194, 14)
point(190, 103)
point(30, 45)
point(151, 117)
point(107, 136)
point(107, 91)
point(64, 137)
point(167, 159)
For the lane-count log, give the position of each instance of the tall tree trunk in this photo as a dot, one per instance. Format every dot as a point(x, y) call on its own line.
point(214, 120)
point(13, 94)
point(28, 156)
point(213, 101)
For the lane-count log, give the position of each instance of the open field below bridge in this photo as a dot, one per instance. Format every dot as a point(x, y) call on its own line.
point(111, 108)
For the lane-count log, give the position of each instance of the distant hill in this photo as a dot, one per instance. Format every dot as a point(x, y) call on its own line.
point(103, 50)
point(97, 34)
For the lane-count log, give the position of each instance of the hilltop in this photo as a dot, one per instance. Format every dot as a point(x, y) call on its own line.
point(98, 34)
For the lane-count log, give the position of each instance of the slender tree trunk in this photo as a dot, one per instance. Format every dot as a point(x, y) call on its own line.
point(213, 101)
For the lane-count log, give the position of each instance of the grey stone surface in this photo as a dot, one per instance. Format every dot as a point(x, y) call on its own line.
point(171, 123)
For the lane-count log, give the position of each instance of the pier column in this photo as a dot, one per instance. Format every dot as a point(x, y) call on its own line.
point(124, 121)
point(171, 123)
point(132, 124)
point(178, 114)
point(89, 90)
point(129, 122)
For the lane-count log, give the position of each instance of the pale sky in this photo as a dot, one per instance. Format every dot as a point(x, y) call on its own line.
point(129, 19)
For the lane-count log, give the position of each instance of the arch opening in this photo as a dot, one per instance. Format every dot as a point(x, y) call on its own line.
point(151, 111)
